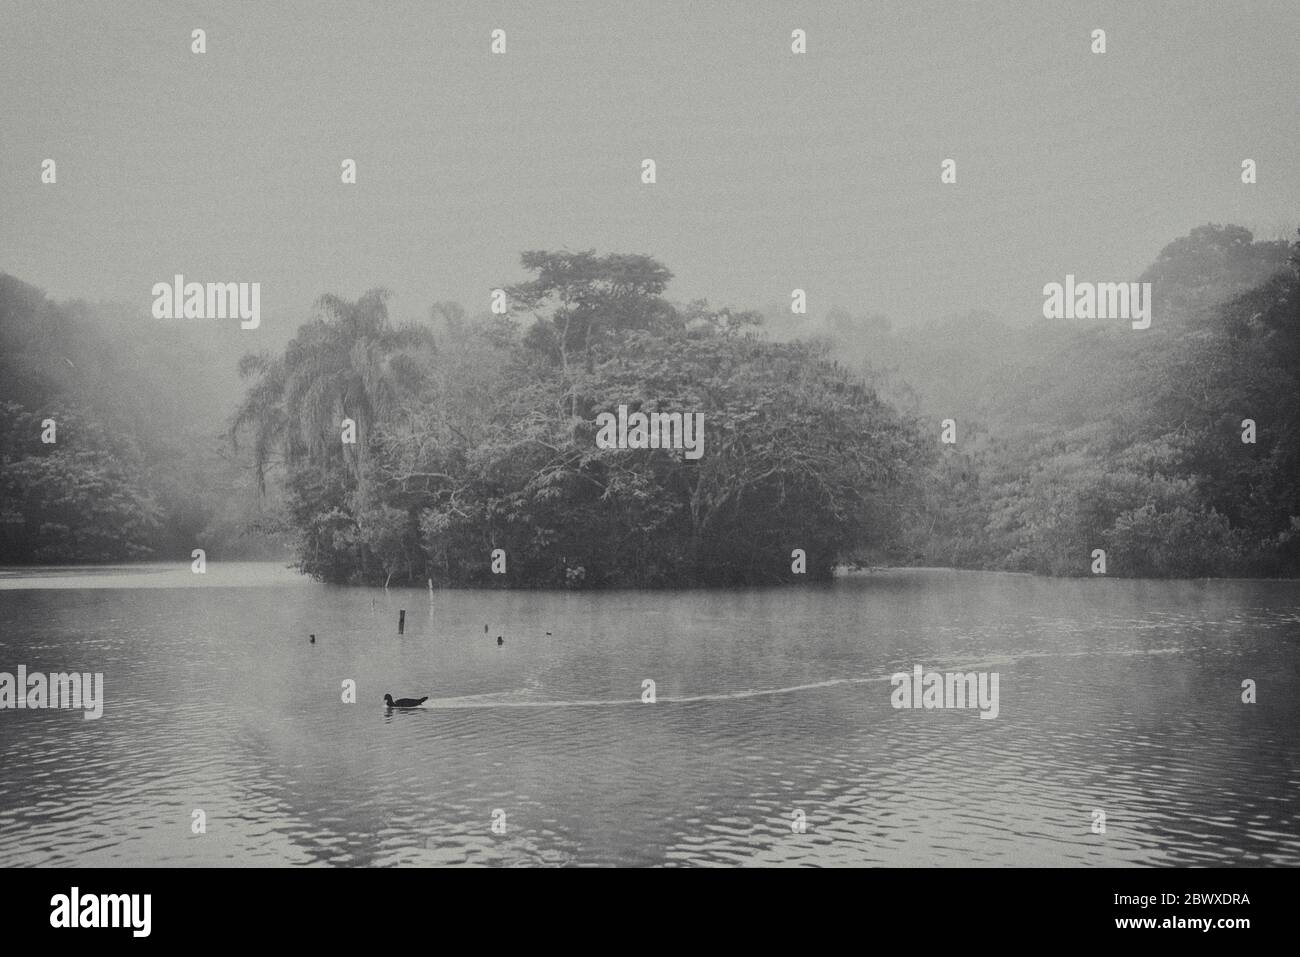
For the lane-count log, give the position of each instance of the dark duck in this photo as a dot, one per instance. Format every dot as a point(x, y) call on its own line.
point(404, 702)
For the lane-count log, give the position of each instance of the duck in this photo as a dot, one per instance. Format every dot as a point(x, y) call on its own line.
point(404, 702)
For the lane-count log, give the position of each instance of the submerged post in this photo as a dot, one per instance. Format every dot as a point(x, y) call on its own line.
point(401, 621)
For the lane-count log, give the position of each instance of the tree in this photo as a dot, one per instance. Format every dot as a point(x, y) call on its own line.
point(82, 499)
point(348, 362)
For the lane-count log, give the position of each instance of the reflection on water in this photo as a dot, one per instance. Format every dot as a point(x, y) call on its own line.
point(220, 575)
point(1115, 695)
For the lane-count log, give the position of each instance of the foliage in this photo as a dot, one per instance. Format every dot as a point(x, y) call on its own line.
point(486, 440)
point(1134, 445)
point(137, 469)
point(71, 501)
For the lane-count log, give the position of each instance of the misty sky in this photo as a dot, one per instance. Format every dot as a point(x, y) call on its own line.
point(775, 171)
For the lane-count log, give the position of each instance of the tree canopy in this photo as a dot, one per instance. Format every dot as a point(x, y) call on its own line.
point(484, 439)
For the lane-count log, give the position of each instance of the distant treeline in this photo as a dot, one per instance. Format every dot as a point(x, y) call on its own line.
point(477, 435)
point(1072, 439)
point(111, 439)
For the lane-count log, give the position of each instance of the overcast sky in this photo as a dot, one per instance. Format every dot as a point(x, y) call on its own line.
point(775, 171)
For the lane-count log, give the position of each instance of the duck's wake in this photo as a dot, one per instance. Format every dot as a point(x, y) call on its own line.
point(530, 699)
point(515, 699)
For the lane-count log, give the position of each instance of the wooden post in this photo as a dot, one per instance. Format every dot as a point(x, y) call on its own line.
point(401, 621)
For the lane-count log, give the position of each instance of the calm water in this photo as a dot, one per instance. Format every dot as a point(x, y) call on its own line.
point(1123, 696)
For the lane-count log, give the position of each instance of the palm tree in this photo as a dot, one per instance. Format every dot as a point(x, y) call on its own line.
point(349, 362)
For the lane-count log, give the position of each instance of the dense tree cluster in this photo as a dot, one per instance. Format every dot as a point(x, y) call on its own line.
point(483, 438)
point(1132, 442)
point(132, 467)
point(478, 434)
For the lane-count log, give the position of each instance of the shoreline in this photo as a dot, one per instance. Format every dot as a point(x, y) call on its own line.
point(269, 573)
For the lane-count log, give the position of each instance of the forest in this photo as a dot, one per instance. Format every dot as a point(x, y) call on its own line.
point(1172, 448)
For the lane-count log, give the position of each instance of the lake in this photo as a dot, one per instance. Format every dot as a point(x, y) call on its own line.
point(1118, 696)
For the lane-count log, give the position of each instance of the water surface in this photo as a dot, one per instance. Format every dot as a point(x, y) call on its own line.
point(1116, 695)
